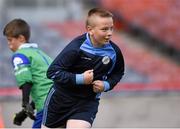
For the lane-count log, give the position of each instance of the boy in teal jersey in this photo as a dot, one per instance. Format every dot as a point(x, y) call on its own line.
point(30, 66)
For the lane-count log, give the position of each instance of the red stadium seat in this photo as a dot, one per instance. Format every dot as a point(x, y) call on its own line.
point(160, 18)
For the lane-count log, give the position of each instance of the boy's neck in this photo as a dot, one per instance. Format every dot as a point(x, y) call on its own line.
point(95, 44)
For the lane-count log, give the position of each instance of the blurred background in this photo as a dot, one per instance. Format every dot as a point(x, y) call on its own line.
point(148, 33)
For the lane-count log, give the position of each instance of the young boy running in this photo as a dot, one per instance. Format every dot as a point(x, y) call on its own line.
point(89, 65)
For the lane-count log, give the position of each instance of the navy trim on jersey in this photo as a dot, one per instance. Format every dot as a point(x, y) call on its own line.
point(22, 57)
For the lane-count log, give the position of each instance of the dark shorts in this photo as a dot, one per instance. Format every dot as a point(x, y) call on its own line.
point(60, 107)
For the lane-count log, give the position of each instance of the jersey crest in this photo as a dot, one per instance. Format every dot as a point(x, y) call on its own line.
point(105, 60)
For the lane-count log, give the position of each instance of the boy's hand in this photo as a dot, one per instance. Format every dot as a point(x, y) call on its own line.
point(98, 86)
point(19, 117)
point(29, 111)
point(88, 76)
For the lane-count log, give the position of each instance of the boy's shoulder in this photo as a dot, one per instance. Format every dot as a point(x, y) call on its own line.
point(22, 55)
point(23, 52)
point(27, 50)
point(79, 39)
point(77, 42)
point(115, 46)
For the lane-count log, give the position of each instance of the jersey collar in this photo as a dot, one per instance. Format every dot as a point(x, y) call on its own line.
point(28, 45)
point(88, 40)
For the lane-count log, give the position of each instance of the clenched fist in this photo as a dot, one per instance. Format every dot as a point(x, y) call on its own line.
point(88, 76)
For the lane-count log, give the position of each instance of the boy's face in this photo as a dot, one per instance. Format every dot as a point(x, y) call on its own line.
point(101, 30)
point(14, 43)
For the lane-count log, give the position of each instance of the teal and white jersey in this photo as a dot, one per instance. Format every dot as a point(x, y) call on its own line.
point(30, 65)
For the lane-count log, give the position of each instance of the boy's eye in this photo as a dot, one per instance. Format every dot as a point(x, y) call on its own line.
point(104, 29)
point(9, 40)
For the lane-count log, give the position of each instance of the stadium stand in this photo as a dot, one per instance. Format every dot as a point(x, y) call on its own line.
point(155, 19)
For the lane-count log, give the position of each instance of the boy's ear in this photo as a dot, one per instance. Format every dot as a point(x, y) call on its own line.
point(22, 38)
point(89, 29)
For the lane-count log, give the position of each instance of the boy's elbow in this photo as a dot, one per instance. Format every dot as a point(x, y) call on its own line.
point(49, 73)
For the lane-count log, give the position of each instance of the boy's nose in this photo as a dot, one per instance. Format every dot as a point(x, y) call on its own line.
point(109, 32)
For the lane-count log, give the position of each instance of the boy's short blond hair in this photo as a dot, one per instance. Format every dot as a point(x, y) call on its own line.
point(98, 12)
